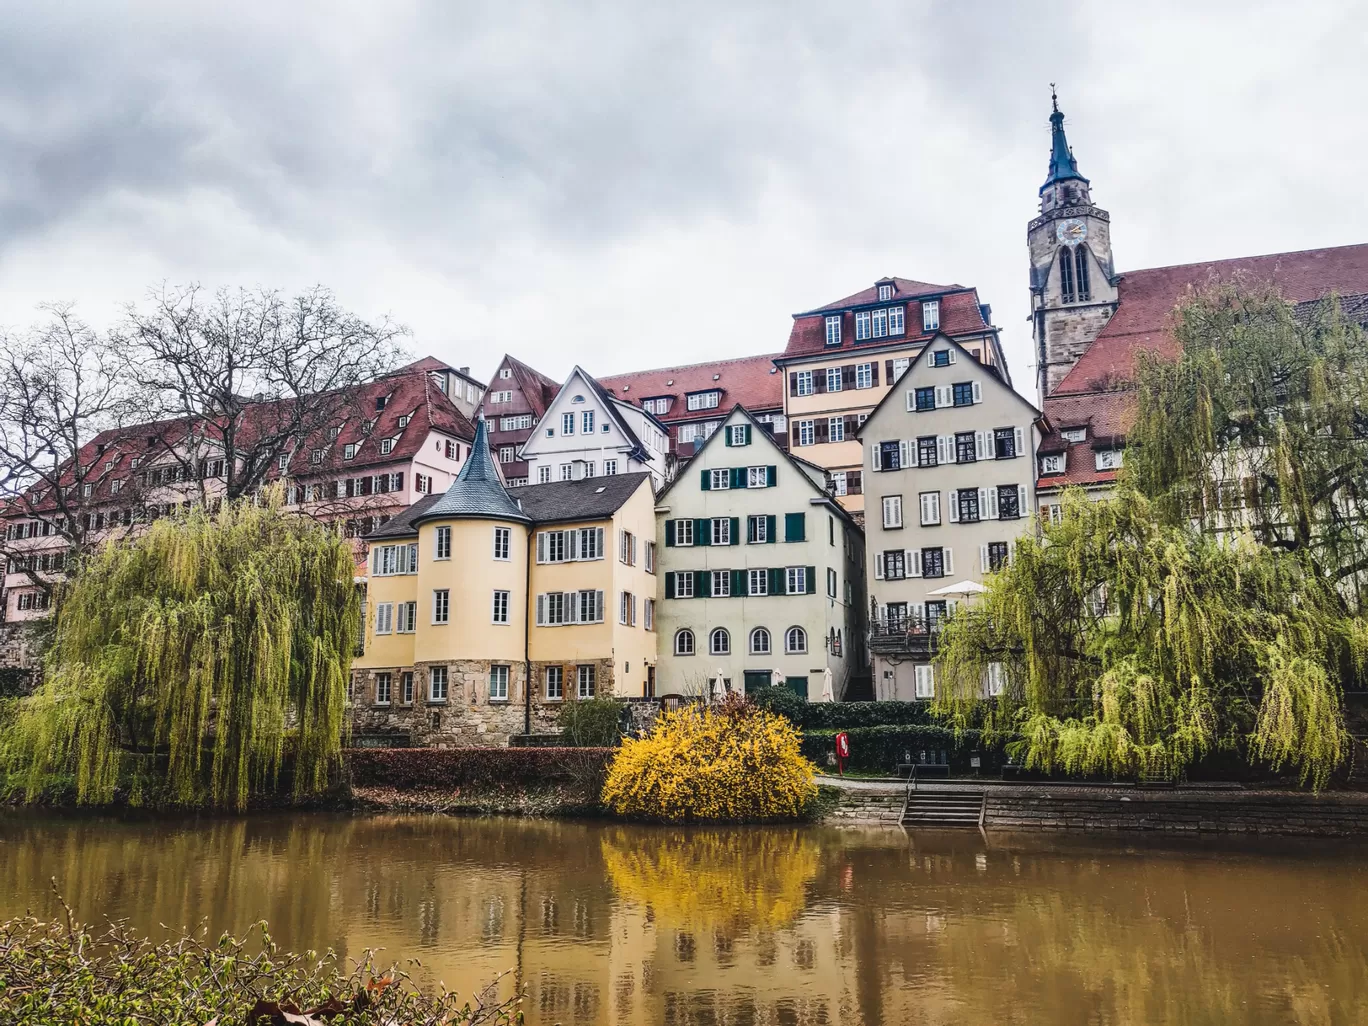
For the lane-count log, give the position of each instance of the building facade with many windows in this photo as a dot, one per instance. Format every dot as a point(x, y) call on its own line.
point(950, 455)
point(513, 405)
point(476, 592)
point(844, 357)
point(761, 572)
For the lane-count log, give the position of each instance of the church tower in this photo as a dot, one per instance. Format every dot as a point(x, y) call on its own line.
point(1073, 278)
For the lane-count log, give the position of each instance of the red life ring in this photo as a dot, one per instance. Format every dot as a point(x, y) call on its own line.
point(843, 745)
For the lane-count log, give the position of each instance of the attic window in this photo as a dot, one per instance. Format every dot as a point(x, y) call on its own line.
point(380, 402)
point(1074, 434)
point(386, 446)
point(704, 400)
point(334, 431)
point(578, 399)
point(505, 373)
point(404, 420)
point(885, 293)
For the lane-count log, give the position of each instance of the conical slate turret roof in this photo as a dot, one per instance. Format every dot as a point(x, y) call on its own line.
point(1062, 163)
point(477, 491)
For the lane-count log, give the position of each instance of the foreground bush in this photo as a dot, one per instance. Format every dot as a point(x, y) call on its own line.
point(727, 762)
point(451, 768)
point(63, 973)
point(591, 722)
point(880, 749)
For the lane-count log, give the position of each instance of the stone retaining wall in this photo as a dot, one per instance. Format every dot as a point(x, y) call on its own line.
point(867, 807)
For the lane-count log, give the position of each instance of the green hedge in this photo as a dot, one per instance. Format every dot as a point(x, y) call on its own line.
point(450, 768)
point(845, 715)
point(880, 749)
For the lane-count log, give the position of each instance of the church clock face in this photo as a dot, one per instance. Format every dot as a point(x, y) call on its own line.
point(1071, 232)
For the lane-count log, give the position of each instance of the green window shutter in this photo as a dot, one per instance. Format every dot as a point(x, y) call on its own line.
point(776, 580)
point(702, 584)
point(812, 580)
point(726, 437)
point(748, 433)
point(669, 586)
point(669, 533)
point(795, 527)
point(736, 530)
point(738, 477)
point(703, 532)
point(706, 482)
point(771, 529)
point(738, 583)
point(771, 476)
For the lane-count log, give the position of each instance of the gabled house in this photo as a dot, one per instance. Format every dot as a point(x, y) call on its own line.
point(950, 458)
point(513, 405)
point(588, 433)
point(761, 572)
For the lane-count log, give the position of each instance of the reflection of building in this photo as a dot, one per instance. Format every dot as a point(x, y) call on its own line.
point(762, 571)
point(473, 589)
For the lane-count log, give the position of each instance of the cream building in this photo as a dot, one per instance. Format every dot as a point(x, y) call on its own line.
point(473, 593)
point(950, 456)
point(761, 570)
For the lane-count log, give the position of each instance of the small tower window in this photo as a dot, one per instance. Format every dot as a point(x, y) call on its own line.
point(1081, 263)
point(1066, 276)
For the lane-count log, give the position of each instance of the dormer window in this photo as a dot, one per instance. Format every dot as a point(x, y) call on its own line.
point(380, 402)
point(1074, 434)
point(931, 315)
point(885, 293)
point(440, 381)
point(334, 431)
point(704, 400)
point(656, 406)
point(1107, 459)
point(861, 325)
point(404, 420)
point(833, 330)
point(1052, 464)
point(349, 453)
point(386, 446)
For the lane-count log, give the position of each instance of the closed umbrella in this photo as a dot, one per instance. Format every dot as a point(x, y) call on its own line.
point(719, 686)
point(828, 692)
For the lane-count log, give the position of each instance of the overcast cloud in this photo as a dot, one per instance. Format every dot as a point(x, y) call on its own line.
point(626, 185)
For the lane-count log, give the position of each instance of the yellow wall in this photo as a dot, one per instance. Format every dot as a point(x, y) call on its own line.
point(471, 575)
point(385, 650)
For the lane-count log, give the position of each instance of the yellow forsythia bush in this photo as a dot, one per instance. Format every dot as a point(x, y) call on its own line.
point(729, 762)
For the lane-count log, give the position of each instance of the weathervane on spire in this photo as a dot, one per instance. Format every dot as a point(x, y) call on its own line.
point(1054, 99)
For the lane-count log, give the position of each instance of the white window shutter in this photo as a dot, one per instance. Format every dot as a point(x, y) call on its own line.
point(983, 503)
point(978, 391)
point(911, 400)
point(914, 563)
point(951, 606)
point(1018, 447)
point(919, 611)
point(1021, 500)
point(571, 600)
point(878, 566)
point(1011, 553)
point(983, 559)
point(598, 533)
point(541, 546)
point(902, 453)
point(949, 561)
point(925, 501)
point(541, 610)
point(980, 445)
point(945, 449)
point(874, 456)
point(992, 508)
point(935, 507)
point(944, 395)
point(598, 605)
point(951, 356)
point(954, 506)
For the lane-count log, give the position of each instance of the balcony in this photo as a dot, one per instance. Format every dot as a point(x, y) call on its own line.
point(905, 635)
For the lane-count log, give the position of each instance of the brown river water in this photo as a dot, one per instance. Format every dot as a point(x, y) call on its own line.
point(603, 923)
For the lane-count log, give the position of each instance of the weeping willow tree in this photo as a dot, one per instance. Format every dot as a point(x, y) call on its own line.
point(1214, 602)
point(206, 647)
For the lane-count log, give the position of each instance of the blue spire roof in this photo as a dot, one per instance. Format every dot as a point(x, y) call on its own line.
point(1062, 163)
point(477, 491)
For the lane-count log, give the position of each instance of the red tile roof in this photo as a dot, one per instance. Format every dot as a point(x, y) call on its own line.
point(1107, 417)
point(536, 387)
point(1148, 298)
point(903, 288)
point(960, 314)
point(752, 381)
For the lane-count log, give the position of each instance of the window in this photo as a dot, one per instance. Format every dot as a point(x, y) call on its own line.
point(501, 397)
point(567, 423)
point(933, 562)
point(1081, 266)
point(795, 641)
point(386, 446)
point(719, 479)
point(1005, 445)
point(737, 435)
point(967, 500)
point(498, 683)
point(941, 358)
point(925, 398)
point(833, 379)
point(627, 548)
point(587, 422)
point(543, 475)
point(802, 383)
point(807, 432)
point(1107, 459)
point(1052, 464)
point(684, 642)
point(349, 452)
point(316, 456)
point(930, 508)
point(683, 531)
point(443, 543)
point(1008, 502)
point(878, 321)
point(441, 605)
point(996, 678)
point(796, 580)
point(551, 609)
point(382, 689)
point(407, 617)
point(406, 687)
point(500, 607)
point(656, 405)
point(759, 641)
point(931, 315)
point(926, 451)
point(627, 609)
point(925, 681)
point(839, 483)
point(892, 511)
point(861, 325)
point(388, 560)
point(757, 529)
point(452, 450)
point(836, 429)
point(437, 684)
point(555, 683)
point(650, 557)
point(757, 477)
point(719, 642)
point(963, 393)
point(895, 327)
point(890, 455)
point(997, 556)
point(584, 681)
point(721, 583)
point(966, 448)
point(1074, 434)
point(894, 565)
point(757, 582)
point(831, 583)
point(507, 453)
point(649, 612)
point(833, 330)
point(885, 293)
point(384, 617)
point(502, 537)
point(864, 375)
point(721, 530)
point(518, 423)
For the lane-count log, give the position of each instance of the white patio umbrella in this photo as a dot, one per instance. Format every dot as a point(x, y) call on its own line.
point(828, 692)
point(718, 688)
point(778, 680)
point(961, 589)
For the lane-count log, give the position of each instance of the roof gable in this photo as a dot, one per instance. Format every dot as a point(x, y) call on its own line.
point(564, 402)
point(751, 381)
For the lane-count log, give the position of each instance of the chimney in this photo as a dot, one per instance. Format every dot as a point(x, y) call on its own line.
point(463, 370)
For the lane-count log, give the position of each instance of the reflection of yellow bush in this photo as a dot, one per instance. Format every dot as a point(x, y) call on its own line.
point(732, 763)
point(713, 877)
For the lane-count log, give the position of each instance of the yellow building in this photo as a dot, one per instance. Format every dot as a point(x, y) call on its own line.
point(474, 592)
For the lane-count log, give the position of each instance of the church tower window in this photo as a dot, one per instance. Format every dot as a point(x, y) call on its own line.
point(1066, 276)
point(1081, 262)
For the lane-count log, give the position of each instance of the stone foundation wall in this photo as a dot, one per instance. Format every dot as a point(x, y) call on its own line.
point(867, 807)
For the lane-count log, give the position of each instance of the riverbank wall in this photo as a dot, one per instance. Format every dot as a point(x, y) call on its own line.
point(1130, 809)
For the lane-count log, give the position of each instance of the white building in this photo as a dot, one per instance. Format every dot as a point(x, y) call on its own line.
point(585, 432)
point(761, 571)
point(951, 458)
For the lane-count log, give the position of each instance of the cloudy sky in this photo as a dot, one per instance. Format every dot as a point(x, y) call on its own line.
point(627, 185)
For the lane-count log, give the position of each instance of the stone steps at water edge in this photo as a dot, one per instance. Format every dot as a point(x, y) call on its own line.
point(942, 808)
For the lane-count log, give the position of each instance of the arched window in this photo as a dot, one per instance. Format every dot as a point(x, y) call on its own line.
point(719, 642)
point(1081, 264)
point(795, 640)
point(684, 642)
point(760, 641)
point(1066, 274)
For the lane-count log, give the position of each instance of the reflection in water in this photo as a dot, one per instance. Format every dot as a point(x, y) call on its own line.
point(603, 923)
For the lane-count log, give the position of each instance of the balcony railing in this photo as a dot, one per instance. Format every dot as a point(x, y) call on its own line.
point(906, 634)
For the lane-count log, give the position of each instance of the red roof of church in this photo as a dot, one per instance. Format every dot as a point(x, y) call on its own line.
point(752, 381)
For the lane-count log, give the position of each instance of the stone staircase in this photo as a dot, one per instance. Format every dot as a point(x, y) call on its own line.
point(943, 808)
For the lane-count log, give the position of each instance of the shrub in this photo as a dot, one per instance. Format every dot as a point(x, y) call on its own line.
point(61, 972)
point(727, 762)
point(591, 722)
point(880, 749)
point(845, 715)
point(782, 702)
point(407, 769)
